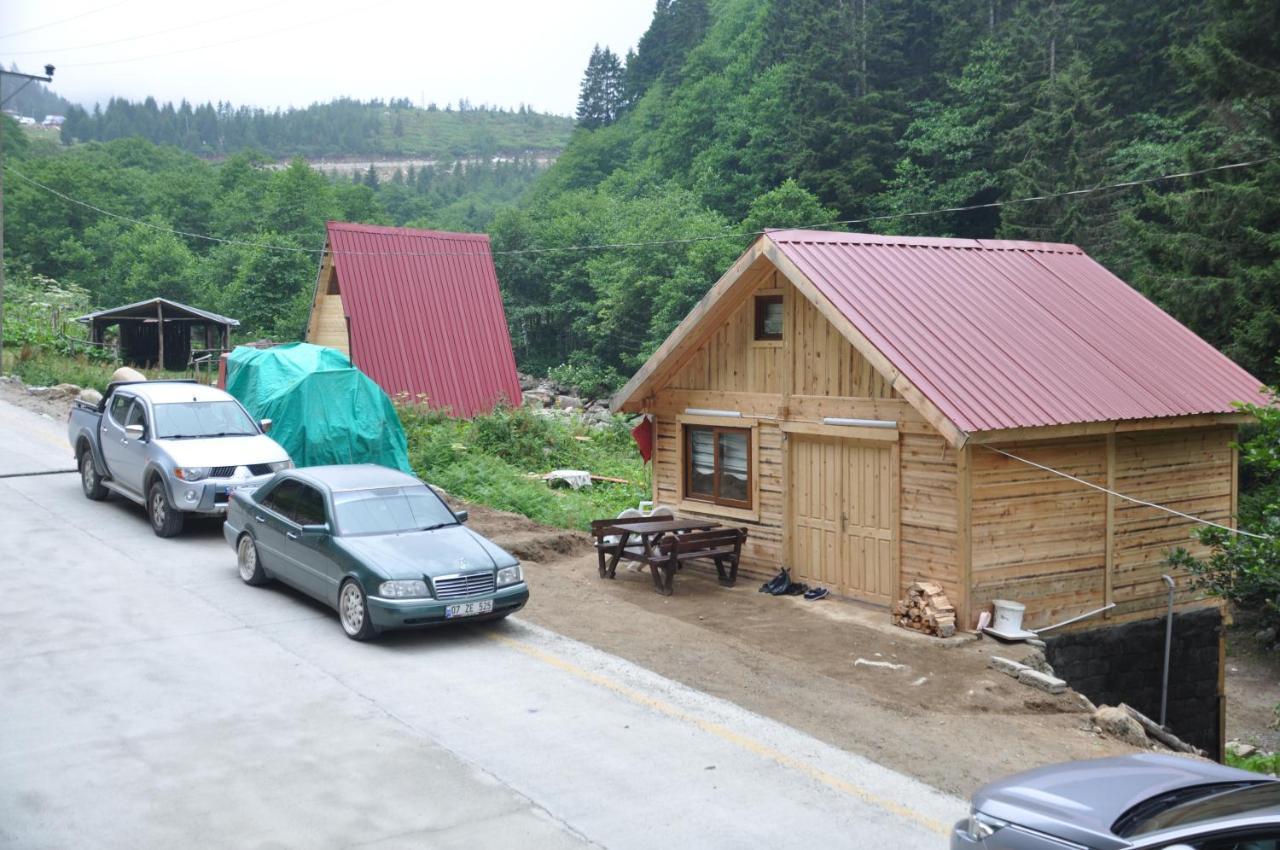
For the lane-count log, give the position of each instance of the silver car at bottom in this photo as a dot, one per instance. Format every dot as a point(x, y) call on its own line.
point(1148, 800)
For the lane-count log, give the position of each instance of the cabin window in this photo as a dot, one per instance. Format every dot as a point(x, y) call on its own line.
point(768, 317)
point(718, 465)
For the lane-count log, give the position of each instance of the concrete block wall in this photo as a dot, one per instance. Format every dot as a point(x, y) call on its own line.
point(1124, 663)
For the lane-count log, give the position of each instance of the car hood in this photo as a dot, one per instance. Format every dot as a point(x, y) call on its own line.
point(441, 552)
point(1080, 801)
point(223, 451)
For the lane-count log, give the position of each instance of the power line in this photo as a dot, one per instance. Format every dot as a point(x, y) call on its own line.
point(1136, 501)
point(237, 14)
point(604, 246)
point(64, 20)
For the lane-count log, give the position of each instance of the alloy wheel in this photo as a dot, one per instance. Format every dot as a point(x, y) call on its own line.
point(351, 608)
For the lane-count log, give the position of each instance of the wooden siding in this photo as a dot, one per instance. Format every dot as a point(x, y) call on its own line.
point(1036, 537)
point(827, 363)
point(1191, 471)
point(928, 547)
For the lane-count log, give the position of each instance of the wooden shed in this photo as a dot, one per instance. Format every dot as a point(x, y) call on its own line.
point(160, 332)
point(882, 409)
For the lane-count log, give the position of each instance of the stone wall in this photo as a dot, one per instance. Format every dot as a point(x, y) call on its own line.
point(1124, 663)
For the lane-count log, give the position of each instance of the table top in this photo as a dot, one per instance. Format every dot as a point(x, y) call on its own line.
point(644, 526)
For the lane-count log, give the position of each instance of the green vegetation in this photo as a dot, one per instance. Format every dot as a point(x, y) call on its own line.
point(487, 460)
point(343, 127)
point(1258, 762)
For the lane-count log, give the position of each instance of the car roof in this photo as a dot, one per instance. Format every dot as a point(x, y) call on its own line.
point(354, 476)
point(173, 392)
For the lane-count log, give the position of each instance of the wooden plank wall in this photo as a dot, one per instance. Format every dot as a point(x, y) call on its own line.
point(1187, 470)
point(1036, 537)
point(928, 512)
point(827, 363)
point(732, 361)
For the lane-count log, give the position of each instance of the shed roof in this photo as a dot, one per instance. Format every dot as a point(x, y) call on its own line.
point(147, 310)
point(426, 315)
point(1000, 334)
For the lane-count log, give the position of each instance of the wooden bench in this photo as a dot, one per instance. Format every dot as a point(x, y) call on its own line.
point(721, 545)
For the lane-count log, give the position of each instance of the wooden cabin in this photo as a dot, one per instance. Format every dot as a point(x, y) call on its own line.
point(851, 400)
point(420, 312)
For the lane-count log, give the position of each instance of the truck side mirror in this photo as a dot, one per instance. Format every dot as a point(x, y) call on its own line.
point(461, 516)
point(134, 432)
point(265, 425)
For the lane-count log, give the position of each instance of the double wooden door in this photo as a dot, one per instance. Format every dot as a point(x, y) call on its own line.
point(843, 516)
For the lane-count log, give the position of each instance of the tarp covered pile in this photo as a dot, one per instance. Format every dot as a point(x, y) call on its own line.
point(323, 409)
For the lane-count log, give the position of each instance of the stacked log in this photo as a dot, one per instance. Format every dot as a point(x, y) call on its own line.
point(926, 609)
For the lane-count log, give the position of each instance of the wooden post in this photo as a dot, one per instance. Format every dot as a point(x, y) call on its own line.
point(1109, 557)
point(160, 330)
point(964, 536)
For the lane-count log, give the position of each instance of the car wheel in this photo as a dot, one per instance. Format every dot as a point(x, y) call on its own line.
point(90, 480)
point(166, 520)
point(251, 572)
point(353, 611)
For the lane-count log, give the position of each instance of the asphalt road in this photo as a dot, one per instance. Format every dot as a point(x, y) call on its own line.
point(149, 699)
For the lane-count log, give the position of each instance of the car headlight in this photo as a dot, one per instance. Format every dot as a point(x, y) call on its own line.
point(279, 465)
point(981, 827)
point(192, 473)
point(510, 575)
point(403, 589)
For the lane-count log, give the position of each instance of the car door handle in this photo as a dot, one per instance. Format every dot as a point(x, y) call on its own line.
point(123, 441)
point(104, 429)
point(260, 518)
point(291, 535)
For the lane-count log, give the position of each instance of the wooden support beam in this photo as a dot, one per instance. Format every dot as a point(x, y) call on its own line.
point(1109, 575)
point(964, 535)
point(160, 329)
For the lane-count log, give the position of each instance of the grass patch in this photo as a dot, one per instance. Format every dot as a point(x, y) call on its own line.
point(487, 460)
point(40, 367)
point(1258, 762)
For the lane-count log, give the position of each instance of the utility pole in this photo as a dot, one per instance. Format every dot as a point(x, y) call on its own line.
point(27, 79)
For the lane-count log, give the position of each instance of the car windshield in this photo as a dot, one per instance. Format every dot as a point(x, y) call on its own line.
point(203, 419)
point(1201, 803)
point(390, 510)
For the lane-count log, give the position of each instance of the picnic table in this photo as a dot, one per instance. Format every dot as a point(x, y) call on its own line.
point(665, 544)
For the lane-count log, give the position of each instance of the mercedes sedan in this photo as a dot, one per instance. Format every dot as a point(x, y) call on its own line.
point(376, 544)
point(1149, 801)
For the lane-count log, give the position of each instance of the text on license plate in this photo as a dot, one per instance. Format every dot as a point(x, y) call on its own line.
point(468, 609)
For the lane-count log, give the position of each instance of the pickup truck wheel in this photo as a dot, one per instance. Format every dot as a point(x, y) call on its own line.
point(166, 521)
point(251, 572)
point(90, 480)
point(353, 612)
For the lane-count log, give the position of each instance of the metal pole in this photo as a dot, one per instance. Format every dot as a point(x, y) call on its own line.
point(1168, 643)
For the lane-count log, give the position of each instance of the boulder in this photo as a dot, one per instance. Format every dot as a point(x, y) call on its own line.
point(125, 373)
point(536, 398)
point(90, 396)
point(568, 402)
point(1119, 724)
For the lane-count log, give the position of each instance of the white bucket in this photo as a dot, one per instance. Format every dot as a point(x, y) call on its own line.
point(1008, 616)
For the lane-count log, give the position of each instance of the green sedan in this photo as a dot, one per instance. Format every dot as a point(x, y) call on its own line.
point(376, 544)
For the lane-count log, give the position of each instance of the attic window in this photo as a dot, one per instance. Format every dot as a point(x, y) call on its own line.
point(768, 318)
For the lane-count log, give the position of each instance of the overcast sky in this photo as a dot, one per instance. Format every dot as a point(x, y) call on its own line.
point(284, 53)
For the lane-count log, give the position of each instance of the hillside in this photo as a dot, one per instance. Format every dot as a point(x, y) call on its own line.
point(734, 115)
point(340, 128)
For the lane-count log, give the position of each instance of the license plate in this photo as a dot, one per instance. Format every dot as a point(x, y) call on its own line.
point(468, 609)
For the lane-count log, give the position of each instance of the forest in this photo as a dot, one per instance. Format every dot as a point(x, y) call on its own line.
point(730, 116)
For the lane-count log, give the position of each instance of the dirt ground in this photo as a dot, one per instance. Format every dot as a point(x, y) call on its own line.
point(942, 716)
point(1253, 688)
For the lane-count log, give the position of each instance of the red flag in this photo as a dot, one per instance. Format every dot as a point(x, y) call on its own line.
point(643, 435)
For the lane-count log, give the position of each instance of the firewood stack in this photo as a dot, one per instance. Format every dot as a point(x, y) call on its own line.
point(926, 609)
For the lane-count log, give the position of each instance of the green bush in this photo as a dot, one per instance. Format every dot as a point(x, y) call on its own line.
point(1258, 762)
point(489, 459)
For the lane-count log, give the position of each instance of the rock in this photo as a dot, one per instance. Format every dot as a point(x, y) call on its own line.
point(527, 382)
point(124, 373)
point(1036, 661)
point(568, 402)
point(90, 396)
point(1008, 666)
point(1241, 750)
point(1117, 723)
point(1036, 642)
point(1266, 636)
point(1041, 681)
point(534, 398)
point(39, 392)
point(63, 390)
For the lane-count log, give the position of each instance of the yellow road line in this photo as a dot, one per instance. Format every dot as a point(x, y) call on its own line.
point(724, 733)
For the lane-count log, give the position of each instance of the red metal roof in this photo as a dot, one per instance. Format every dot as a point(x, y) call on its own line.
point(1016, 334)
point(426, 315)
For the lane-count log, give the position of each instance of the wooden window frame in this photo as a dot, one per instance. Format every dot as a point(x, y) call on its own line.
point(686, 472)
point(761, 305)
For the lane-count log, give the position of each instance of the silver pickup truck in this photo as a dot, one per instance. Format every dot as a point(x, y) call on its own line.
point(174, 447)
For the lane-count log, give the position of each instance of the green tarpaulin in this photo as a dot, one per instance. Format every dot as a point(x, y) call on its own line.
point(323, 409)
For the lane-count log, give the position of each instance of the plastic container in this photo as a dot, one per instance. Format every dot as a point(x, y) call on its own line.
point(1008, 616)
